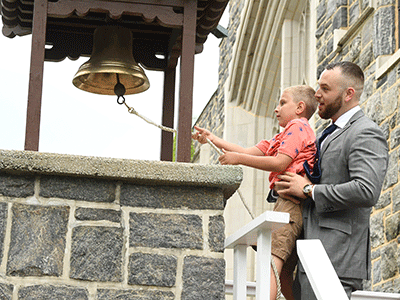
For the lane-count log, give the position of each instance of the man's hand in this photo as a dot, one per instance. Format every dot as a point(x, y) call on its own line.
point(291, 186)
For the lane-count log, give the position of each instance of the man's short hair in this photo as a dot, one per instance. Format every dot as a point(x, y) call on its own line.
point(349, 70)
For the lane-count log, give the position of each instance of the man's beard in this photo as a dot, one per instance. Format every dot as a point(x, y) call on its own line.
point(331, 109)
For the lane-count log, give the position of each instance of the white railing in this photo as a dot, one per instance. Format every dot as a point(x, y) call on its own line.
point(256, 233)
point(316, 263)
point(323, 277)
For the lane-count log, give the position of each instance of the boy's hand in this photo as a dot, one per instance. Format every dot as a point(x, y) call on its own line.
point(229, 158)
point(202, 135)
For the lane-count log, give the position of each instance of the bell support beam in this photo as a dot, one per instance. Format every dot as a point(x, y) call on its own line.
point(36, 75)
point(164, 14)
point(167, 138)
point(186, 81)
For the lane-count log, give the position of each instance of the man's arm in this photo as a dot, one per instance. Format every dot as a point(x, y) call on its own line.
point(365, 170)
point(367, 162)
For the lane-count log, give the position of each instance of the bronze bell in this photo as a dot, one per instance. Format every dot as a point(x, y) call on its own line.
point(111, 62)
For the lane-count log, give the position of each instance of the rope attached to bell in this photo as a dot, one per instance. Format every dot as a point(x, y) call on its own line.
point(119, 90)
point(274, 268)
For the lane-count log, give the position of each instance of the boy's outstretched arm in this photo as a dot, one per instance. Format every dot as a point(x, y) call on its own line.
point(203, 134)
point(277, 163)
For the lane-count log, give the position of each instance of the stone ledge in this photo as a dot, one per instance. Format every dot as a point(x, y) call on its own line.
point(138, 171)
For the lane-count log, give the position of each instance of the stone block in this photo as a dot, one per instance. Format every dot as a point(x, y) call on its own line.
point(392, 228)
point(381, 81)
point(94, 214)
point(384, 200)
point(391, 96)
point(367, 32)
point(203, 278)
point(340, 18)
point(376, 270)
point(321, 53)
point(396, 198)
point(385, 126)
point(391, 177)
point(321, 11)
point(37, 243)
point(77, 188)
point(393, 120)
point(216, 233)
point(6, 291)
point(375, 254)
point(366, 57)
point(107, 294)
point(152, 269)
point(165, 231)
point(355, 48)
point(384, 39)
point(354, 13)
point(331, 8)
point(377, 230)
point(96, 253)
point(171, 197)
point(47, 292)
point(395, 138)
point(17, 186)
point(388, 265)
point(3, 224)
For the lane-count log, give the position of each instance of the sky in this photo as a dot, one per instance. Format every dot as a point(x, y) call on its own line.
point(81, 123)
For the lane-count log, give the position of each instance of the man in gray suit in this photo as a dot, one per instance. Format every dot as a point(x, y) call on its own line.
point(353, 163)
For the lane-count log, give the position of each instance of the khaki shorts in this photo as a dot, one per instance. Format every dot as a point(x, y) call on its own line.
point(284, 238)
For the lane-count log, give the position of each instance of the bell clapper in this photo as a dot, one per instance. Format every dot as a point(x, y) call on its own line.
point(119, 90)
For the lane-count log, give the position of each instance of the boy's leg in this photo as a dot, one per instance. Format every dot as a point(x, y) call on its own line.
point(287, 276)
point(283, 246)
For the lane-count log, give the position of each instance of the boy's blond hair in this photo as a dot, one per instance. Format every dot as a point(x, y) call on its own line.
point(306, 94)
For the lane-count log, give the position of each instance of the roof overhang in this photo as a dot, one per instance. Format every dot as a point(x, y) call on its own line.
point(156, 26)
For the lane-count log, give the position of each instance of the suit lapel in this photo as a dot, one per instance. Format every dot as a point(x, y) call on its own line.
point(338, 133)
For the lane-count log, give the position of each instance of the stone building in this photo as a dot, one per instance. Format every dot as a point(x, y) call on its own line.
point(275, 44)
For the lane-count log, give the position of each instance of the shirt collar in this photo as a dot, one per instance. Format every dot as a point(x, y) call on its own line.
point(343, 119)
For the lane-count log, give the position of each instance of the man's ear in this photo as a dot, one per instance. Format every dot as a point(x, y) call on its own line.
point(350, 91)
point(301, 107)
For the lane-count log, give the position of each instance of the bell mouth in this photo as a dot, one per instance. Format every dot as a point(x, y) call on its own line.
point(111, 57)
point(102, 79)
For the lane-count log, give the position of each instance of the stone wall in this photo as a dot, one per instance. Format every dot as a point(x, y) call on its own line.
point(74, 227)
point(368, 39)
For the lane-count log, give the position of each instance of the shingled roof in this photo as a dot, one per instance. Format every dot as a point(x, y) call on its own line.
point(70, 26)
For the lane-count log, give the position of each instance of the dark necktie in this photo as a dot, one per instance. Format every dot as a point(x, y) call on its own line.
point(315, 176)
point(331, 128)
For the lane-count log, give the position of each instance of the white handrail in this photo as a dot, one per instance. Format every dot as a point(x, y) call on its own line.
point(256, 233)
point(323, 277)
point(368, 295)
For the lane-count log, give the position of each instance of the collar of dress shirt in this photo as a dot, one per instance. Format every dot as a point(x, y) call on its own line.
point(343, 119)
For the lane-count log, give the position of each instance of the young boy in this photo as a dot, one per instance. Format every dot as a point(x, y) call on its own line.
point(287, 151)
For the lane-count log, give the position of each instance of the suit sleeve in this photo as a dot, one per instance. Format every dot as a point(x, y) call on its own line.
point(361, 172)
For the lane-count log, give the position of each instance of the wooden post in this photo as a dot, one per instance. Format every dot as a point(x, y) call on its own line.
point(36, 75)
point(167, 138)
point(186, 81)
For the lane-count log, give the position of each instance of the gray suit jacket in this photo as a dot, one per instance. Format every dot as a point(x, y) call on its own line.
point(353, 164)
